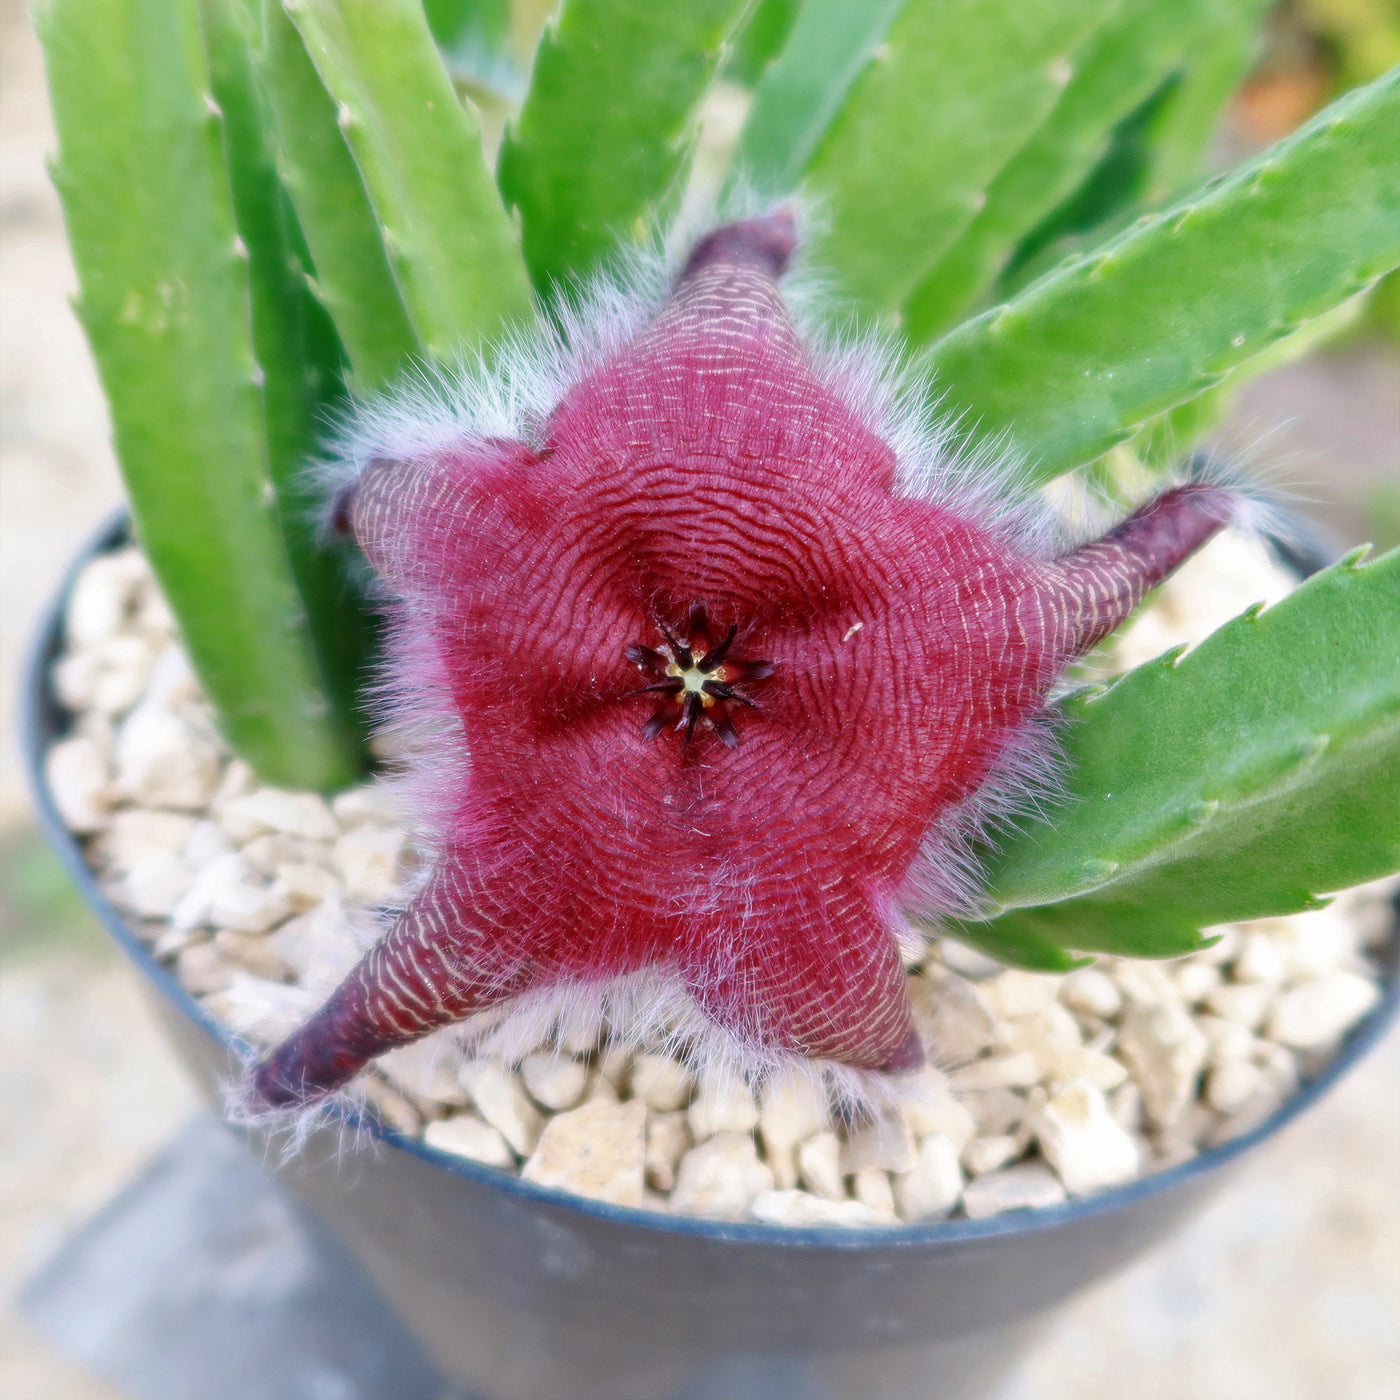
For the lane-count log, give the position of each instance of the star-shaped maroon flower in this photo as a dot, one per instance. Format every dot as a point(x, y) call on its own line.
point(718, 680)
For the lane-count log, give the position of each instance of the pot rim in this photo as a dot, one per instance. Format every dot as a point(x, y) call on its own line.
point(37, 729)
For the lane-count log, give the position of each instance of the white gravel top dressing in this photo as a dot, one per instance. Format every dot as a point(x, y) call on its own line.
point(1047, 1087)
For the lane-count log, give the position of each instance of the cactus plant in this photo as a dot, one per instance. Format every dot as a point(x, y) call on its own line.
point(274, 206)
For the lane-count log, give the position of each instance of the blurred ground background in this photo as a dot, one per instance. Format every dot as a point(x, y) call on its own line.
point(1288, 1289)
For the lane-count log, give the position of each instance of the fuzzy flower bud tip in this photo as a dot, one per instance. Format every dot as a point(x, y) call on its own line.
point(721, 690)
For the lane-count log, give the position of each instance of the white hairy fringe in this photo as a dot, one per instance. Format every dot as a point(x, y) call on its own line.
point(433, 410)
point(338, 1127)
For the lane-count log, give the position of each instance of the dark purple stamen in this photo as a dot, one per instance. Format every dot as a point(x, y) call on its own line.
point(696, 657)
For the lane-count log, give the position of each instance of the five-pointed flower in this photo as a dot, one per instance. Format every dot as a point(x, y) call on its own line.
point(722, 687)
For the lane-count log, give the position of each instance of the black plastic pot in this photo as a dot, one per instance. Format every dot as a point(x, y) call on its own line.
point(526, 1293)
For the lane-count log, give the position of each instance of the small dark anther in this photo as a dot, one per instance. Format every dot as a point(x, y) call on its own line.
point(671, 687)
point(692, 713)
point(640, 655)
point(724, 728)
point(697, 678)
point(681, 652)
point(716, 657)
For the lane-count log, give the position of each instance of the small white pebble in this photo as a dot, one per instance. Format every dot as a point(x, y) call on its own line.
point(1259, 1106)
point(77, 774)
point(1245, 1003)
point(932, 1187)
point(801, 1209)
point(161, 761)
point(722, 1104)
point(369, 859)
point(153, 614)
point(1369, 912)
point(1183, 1139)
point(426, 1069)
point(720, 1177)
point(123, 669)
point(1027, 1185)
point(872, 1188)
point(932, 1108)
point(261, 1010)
point(501, 1100)
point(883, 1143)
point(202, 968)
point(1280, 1066)
point(819, 1166)
point(1322, 940)
point(1259, 960)
point(1231, 1085)
point(615, 1064)
point(1195, 980)
point(268, 809)
point(173, 684)
point(228, 893)
point(271, 850)
point(1145, 983)
point(320, 946)
point(238, 780)
point(791, 1108)
point(1228, 1040)
point(1010, 1070)
point(391, 1106)
point(967, 962)
point(1083, 1142)
point(991, 1154)
point(996, 1110)
point(1322, 1009)
point(1091, 993)
point(660, 1082)
point(135, 835)
point(1015, 993)
point(602, 1088)
point(668, 1140)
point(1060, 1059)
point(154, 887)
point(953, 1017)
point(1165, 1053)
point(75, 679)
point(205, 842)
point(466, 1136)
point(370, 803)
point(597, 1150)
point(554, 1081)
point(1125, 1104)
point(171, 940)
point(103, 596)
point(255, 955)
point(307, 885)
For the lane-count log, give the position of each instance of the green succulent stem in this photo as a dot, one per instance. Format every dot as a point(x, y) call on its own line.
point(597, 155)
point(1249, 777)
point(351, 278)
point(893, 189)
point(165, 300)
point(1200, 288)
point(449, 242)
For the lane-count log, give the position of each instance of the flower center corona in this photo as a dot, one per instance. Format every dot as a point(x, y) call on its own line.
point(695, 678)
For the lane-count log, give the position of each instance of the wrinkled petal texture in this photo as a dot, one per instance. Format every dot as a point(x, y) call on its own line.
point(707, 463)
